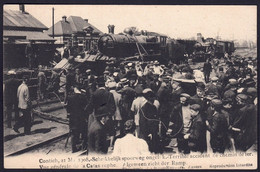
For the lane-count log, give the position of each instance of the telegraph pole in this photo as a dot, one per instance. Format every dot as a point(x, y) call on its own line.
point(52, 22)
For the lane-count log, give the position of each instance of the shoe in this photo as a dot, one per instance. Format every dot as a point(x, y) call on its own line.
point(16, 130)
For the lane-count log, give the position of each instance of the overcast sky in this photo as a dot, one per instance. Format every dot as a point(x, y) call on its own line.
point(229, 22)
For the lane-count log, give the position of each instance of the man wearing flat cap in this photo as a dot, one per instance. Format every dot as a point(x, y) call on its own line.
point(214, 87)
point(24, 104)
point(148, 122)
point(97, 134)
point(218, 127)
point(10, 97)
point(196, 135)
point(244, 126)
point(232, 85)
point(180, 122)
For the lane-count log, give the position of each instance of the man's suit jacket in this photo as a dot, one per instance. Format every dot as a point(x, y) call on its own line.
point(97, 138)
point(218, 128)
point(197, 138)
point(76, 105)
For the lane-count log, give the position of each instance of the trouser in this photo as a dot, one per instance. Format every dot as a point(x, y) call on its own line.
point(206, 75)
point(24, 121)
point(74, 139)
point(41, 92)
point(218, 145)
point(66, 94)
point(9, 109)
point(183, 144)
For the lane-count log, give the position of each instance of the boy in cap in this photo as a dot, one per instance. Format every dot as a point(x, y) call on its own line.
point(218, 127)
point(196, 135)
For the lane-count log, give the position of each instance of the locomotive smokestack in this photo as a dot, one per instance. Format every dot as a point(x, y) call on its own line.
point(111, 29)
point(86, 20)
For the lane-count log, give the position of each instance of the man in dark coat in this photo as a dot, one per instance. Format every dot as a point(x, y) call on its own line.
point(245, 123)
point(127, 98)
point(97, 134)
point(10, 97)
point(180, 122)
point(207, 68)
point(217, 127)
point(101, 97)
point(77, 117)
point(70, 81)
point(148, 122)
point(197, 133)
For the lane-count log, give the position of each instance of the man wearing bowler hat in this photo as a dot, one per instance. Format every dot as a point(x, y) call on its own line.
point(97, 135)
point(77, 117)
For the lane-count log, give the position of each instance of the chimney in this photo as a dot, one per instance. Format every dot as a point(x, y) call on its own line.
point(86, 20)
point(21, 8)
point(111, 29)
point(64, 18)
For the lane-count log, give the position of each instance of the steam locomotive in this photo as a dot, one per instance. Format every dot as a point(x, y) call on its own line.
point(149, 46)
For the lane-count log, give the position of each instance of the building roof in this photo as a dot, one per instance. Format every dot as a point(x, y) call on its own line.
point(28, 35)
point(17, 19)
point(73, 24)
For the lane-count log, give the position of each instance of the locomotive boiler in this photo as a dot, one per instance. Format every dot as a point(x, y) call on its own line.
point(151, 46)
point(123, 45)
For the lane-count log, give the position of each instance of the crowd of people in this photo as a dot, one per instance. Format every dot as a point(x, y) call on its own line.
point(148, 104)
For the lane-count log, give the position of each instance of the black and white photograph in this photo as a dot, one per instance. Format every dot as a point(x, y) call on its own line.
point(129, 86)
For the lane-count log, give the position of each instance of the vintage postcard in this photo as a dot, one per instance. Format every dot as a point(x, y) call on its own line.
point(130, 86)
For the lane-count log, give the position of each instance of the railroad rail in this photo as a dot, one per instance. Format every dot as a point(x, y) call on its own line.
point(47, 116)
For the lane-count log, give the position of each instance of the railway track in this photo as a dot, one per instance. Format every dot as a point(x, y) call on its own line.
point(46, 114)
